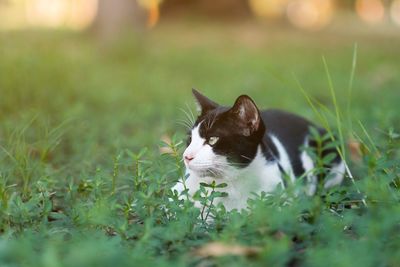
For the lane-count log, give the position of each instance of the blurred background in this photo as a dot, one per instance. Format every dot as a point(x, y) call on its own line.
point(108, 14)
point(111, 74)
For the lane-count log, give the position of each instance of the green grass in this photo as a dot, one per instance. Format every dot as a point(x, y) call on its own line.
point(79, 188)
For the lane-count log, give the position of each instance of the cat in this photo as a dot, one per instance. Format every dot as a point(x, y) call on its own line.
point(252, 151)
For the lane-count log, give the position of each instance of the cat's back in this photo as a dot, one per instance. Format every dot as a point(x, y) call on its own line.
point(286, 126)
point(291, 130)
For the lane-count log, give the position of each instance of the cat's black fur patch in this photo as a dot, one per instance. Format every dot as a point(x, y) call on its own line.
point(240, 150)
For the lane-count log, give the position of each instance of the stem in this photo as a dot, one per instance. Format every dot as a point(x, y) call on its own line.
point(115, 174)
point(202, 210)
point(351, 80)
point(337, 111)
point(178, 165)
point(209, 208)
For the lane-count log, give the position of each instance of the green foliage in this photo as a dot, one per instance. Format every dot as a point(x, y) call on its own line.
point(79, 188)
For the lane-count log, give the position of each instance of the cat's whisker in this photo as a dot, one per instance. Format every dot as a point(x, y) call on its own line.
point(188, 122)
point(212, 171)
point(184, 123)
point(216, 171)
point(245, 157)
point(203, 166)
point(208, 124)
point(185, 120)
point(181, 124)
point(191, 113)
point(213, 119)
point(225, 163)
point(208, 166)
point(237, 164)
point(213, 162)
point(188, 116)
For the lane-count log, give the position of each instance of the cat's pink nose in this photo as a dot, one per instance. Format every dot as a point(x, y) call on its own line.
point(188, 158)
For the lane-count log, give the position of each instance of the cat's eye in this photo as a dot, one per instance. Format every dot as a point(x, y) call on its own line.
point(213, 140)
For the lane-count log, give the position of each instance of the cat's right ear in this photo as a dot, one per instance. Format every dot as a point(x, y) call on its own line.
point(204, 104)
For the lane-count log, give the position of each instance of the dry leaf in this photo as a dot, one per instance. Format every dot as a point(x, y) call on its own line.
point(355, 150)
point(217, 249)
point(279, 235)
point(166, 150)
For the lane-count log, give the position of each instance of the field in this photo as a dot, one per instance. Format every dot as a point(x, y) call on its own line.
point(83, 181)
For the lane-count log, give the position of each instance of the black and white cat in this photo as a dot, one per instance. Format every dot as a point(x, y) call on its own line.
point(250, 150)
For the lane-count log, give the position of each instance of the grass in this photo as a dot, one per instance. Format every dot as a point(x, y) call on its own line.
point(83, 182)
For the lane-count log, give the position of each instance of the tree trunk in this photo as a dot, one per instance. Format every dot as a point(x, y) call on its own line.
point(118, 16)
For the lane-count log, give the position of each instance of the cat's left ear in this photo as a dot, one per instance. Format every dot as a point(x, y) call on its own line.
point(246, 114)
point(204, 104)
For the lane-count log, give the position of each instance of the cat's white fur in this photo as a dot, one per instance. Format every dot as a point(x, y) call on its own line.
point(336, 175)
point(284, 160)
point(308, 166)
point(259, 176)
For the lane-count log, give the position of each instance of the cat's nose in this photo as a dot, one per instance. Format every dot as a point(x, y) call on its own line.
point(188, 158)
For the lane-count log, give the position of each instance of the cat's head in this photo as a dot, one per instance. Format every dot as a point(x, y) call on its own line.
point(223, 137)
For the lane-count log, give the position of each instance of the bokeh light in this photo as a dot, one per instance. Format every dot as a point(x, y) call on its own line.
point(310, 14)
point(73, 14)
point(395, 12)
point(153, 7)
point(268, 9)
point(371, 11)
point(82, 13)
point(76, 14)
point(303, 14)
point(51, 13)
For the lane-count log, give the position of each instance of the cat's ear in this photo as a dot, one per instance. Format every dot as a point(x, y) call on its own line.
point(246, 115)
point(203, 103)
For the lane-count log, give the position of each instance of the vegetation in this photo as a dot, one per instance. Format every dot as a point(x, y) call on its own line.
point(83, 181)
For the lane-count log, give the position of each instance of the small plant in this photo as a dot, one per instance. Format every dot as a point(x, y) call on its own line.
point(206, 196)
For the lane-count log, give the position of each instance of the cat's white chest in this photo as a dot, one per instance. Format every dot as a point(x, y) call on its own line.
point(259, 176)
